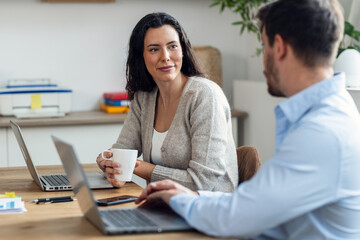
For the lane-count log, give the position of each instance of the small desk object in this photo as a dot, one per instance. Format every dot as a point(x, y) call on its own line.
point(62, 220)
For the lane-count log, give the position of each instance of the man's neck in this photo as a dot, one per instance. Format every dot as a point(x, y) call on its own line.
point(303, 77)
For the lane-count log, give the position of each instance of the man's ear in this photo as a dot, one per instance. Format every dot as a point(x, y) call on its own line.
point(280, 47)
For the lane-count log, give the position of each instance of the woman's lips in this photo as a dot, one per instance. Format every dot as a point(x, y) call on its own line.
point(166, 68)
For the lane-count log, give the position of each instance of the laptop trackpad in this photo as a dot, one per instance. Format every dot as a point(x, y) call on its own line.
point(166, 218)
point(97, 180)
point(161, 213)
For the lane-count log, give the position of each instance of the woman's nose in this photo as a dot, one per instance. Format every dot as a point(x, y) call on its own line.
point(165, 55)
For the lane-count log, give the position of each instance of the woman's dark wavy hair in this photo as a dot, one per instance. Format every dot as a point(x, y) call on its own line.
point(137, 75)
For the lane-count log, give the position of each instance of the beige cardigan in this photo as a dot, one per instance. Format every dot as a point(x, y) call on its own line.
point(199, 150)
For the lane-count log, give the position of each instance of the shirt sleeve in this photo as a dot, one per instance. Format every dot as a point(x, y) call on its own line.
point(300, 177)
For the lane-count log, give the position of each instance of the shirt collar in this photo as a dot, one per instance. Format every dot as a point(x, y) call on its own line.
point(295, 106)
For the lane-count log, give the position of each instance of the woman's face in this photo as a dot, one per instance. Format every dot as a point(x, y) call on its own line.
point(163, 53)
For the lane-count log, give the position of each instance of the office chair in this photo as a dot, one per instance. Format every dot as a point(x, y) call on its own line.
point(249, 162)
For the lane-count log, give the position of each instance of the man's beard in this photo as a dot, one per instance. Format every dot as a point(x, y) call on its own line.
point(272, 76)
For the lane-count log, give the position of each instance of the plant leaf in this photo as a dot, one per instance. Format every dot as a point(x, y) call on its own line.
point(215, 4)
point(356, 35)
point(237, 23)
point(242, 28)
point(340, 50)
point(259, 51)
point(348, 29)
point(222, 7)
point(357, 47)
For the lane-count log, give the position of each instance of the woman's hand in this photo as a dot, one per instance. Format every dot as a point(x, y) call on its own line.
point(112, 172)
point(109, 166)
point(103, 163)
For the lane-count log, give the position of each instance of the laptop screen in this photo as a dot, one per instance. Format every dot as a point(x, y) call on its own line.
point(78, 181)
point(25, 153)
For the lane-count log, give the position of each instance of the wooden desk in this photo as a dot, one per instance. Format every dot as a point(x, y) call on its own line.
point(61, 220)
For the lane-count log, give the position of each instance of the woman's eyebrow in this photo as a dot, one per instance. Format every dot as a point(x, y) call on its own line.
point(157, 45)
point(153, 45)
point(171, 42)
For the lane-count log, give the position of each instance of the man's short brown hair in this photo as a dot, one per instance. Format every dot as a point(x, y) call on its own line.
point(313, 28)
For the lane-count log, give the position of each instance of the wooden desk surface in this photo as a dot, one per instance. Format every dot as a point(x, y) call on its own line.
point(61, 220)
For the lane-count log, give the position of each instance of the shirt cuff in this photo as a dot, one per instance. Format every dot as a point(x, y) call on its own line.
point(209, 194)
point(182, 204)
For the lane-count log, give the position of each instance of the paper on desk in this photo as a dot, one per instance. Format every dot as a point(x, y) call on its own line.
point(9, 203)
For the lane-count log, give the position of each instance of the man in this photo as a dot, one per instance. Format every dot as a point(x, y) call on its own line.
point(310, 188)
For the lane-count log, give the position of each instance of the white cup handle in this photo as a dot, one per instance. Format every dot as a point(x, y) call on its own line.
point(102, 154)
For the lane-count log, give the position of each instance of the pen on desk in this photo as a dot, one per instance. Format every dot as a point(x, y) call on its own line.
point(53, 200)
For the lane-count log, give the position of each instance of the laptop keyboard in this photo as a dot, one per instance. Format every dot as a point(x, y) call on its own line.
point(57, 180)
point(127, 218)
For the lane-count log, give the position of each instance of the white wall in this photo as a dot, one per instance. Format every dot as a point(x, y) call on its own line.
point(88, 141)
point(259, 126)
point(84, 46)
point(356, 96)
point(353, 12)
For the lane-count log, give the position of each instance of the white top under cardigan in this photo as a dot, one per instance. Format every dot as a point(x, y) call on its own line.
point(199, 150)
point(156, 144)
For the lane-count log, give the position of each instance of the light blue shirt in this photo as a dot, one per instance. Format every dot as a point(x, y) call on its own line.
point(309, 189)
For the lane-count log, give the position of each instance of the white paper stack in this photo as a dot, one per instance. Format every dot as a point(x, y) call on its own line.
point(9, 203)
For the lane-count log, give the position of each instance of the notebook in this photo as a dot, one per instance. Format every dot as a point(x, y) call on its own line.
point(54, 182)
point(115, 221)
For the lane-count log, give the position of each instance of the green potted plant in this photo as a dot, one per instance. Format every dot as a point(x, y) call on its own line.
point(348, 58)
point(353, 37)
point(247, 10)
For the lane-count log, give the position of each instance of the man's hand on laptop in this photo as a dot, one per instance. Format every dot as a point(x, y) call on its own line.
point(164, 190)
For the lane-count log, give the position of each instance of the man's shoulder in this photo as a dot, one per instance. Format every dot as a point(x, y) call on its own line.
point(334, 116)
point(336, 126)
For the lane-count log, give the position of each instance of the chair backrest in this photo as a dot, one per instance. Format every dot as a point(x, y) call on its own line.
point(249, 162)
point(209, 59)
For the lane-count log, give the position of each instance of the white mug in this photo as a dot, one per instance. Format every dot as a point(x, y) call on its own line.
point(127, 160)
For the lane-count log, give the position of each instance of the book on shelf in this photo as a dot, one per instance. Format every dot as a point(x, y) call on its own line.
point(120, 103)
point(116, 96)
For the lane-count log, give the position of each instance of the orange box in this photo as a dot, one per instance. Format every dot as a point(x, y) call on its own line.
point(113, 109)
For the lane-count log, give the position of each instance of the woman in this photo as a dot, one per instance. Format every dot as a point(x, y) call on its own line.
point(178, 120)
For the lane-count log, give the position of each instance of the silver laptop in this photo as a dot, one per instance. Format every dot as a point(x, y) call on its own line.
point(115, 221)
point(54, 182)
